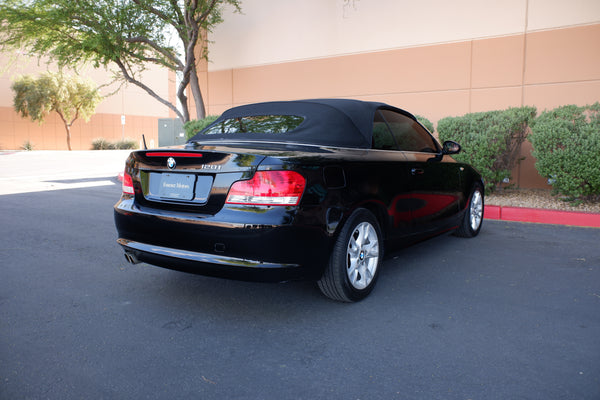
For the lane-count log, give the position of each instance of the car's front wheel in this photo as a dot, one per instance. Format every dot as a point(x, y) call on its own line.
point(471, 223)
point(356, 259)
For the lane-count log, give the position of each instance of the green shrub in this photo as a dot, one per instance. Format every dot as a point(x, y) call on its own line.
point(490, 141)
point(426, 123)
point(194, 126)
point(566, 144)
point(28, 146)
point(102, 144)
point(124, 144)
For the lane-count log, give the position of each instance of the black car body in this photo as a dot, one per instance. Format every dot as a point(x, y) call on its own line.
point(275, 191)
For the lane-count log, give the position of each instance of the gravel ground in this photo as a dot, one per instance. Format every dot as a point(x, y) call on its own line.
point(537, 198)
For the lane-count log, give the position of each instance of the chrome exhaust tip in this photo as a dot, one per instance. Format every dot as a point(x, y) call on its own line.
point(131, 258)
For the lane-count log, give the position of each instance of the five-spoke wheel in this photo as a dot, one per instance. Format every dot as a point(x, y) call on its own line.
point(354, 264)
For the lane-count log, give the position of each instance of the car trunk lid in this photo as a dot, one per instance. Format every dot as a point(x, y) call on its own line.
point(188, 179)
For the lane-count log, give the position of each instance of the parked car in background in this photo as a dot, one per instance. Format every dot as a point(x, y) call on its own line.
point(310, 189)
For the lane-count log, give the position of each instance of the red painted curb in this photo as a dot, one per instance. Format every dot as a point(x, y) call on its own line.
point(492, 212)
point(542, 216)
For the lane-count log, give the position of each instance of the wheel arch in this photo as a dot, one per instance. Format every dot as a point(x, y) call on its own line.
point(375, 207)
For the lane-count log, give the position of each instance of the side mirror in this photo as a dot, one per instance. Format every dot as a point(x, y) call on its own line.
point(451, 147)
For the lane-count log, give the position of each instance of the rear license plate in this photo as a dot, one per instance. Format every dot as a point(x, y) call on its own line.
point(176, 186)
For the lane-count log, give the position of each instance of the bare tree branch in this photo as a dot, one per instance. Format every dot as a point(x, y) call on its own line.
point(129, 78)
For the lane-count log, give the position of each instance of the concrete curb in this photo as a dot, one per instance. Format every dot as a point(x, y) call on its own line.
point(542, 216)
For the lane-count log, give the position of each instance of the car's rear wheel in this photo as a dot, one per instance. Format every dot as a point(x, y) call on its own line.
point(356, 259)
point(471, 223)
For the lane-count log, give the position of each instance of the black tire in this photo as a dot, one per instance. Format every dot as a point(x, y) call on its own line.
point(354, 264)
point(473, 218)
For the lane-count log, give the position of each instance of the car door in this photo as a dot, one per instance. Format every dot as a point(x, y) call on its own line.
point(389, 170)
point(434, 179)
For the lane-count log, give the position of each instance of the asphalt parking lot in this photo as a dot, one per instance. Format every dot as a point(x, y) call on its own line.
point(511, 314)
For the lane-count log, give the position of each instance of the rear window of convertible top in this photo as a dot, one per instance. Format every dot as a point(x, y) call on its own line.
point(255, 124)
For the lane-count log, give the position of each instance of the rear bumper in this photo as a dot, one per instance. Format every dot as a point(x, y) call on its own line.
point(212, 264)
point(271, 245)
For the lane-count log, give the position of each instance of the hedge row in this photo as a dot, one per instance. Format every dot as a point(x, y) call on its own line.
point(103, 144)
point(491, 141)
point(566, 144)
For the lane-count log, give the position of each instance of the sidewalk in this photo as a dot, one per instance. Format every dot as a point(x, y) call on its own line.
point(34, 171)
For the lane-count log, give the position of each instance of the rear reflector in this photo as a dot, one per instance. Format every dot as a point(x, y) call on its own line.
point(127, 184)
point(268, 188)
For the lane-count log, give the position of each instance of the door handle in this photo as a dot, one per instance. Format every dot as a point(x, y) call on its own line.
point(417, 171)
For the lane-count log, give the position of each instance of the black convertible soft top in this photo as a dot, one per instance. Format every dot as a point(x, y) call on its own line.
point(327, 122)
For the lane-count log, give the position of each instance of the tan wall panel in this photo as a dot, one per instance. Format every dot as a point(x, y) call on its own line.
point(495, 98)
point(275, 31)
point(172, 92)
point(525, 174)
point(8, 138)
point(267, 31)
point(220, 91)
point(444, 67)
point(129, 100)
point(498, 62)
point(51, 135)
point(555, 95)
point(432, 105)
point(563, 55)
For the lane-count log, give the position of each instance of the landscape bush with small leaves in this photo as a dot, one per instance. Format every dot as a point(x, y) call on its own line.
point(566, 144)
point(194, 126)
point(27, 146)
point(124, 144)
point(490, 141)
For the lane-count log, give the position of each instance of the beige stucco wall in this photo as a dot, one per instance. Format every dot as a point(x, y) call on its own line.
point(275, 31)
point(434, 58)
point(141, 111)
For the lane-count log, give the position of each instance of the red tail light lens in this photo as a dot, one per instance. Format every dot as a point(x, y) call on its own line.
point(269, 188)
point(127, 184)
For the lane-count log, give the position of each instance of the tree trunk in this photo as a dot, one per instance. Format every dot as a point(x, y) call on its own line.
point(197, 93)
point(68, 128)
point(184, 114)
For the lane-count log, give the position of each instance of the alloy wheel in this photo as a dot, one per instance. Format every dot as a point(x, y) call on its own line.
point(362, 255)
point(476, 210)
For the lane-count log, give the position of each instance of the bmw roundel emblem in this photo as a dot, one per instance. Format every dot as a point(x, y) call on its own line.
point(171, 163)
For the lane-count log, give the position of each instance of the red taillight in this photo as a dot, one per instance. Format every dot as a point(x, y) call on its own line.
point(269, 188)
point(127, 184)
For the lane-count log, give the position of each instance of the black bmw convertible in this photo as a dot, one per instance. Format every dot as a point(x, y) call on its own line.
point(310, 189)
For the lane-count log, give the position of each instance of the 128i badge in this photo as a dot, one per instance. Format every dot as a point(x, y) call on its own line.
point(211, 167)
